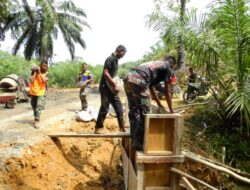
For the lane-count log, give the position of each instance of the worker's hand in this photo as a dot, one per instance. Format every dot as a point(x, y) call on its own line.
point(38, 70)
point(82, 84)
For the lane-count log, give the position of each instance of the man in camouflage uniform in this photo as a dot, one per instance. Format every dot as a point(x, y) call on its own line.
point(138, 85)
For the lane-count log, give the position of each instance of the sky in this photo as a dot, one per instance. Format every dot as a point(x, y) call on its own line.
point(113, 22)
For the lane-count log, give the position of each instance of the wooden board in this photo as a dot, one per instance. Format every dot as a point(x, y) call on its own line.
point(132, 177)
point(91, 135)
point(125, 165)
point(158, 188)
point(179, 124)
point(142, 158)
point(157, 175)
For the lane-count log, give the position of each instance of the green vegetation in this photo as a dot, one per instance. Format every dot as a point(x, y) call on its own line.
point(3, 15)
point(61, 74)
point(10, 64)
point(65, 74)
point(37, 27)
point(217, 45)
point(222, 53)
point(210, 133)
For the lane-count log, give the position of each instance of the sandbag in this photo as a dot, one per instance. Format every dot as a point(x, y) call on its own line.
point(88, 115)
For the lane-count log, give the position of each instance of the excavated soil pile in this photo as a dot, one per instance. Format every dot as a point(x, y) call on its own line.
point(66, 163)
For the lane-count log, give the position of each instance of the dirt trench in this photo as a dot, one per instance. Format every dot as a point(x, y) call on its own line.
point(66, 163)
point(30, 160)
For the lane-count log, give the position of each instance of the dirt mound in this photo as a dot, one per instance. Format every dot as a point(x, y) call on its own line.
point(67, 163)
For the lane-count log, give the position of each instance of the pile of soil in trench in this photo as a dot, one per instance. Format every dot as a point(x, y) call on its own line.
point(67, 163)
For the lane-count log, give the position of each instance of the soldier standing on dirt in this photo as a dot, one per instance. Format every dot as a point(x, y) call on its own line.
point(85, 78)
point(109, 90)
point(139, 85)
point(38, 88)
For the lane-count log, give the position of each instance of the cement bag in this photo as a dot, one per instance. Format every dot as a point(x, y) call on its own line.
point(88, 115)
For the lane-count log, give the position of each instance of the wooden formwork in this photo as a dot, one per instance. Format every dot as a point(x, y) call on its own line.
point(150, 169)
point(153, 172)
point(149, 172)
point(163, 134)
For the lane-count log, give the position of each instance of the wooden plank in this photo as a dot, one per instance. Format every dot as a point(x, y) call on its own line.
point(158, 115)
point(192, 178)
point(158, 153)
point(90, 135)
point(158, 188)
point(177, 139)
point(140, 177)
point(132, 177)
point(142, 158)
point(187, 184)
point(125, 162)
point(175, 178)
point(157, 175)
point(219, 168)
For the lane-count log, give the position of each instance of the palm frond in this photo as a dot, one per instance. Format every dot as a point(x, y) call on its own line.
point(20, 41)
point(30, 45)
point(69, 6)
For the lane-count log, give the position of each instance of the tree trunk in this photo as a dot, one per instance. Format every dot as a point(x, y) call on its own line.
point(181, 50)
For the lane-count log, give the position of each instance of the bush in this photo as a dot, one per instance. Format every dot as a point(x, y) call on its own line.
point(10, 64)
point(65, 74)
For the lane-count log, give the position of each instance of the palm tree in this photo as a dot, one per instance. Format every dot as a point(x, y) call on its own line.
point(3, 14)
point(234, 34)
point(180, 47)
point(160, 20)
point(36, 27)
point(219, 44)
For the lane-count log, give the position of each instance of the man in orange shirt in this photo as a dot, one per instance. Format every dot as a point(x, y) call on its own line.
point(37, 89)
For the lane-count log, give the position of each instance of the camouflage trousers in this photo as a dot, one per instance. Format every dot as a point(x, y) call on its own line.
point(138, 96)
point(38, 104)
point(83, 94)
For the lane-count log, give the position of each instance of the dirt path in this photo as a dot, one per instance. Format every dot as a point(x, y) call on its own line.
point(17, 124)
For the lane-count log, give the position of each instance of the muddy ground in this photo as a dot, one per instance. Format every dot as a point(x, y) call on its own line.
point(30, 160)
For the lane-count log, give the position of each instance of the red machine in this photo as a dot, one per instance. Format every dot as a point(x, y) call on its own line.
point(13, 89)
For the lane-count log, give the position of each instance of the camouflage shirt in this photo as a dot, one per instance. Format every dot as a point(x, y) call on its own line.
point(155, 71)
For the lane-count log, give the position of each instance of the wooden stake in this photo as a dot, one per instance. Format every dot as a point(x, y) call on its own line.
point(192, 178)
point(187, 184)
